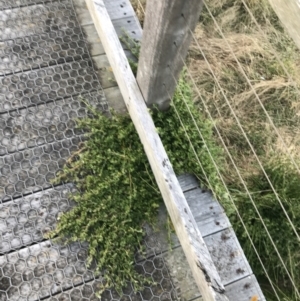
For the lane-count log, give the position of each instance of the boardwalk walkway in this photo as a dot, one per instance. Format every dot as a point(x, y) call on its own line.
point(50, 54)
point(46, 63)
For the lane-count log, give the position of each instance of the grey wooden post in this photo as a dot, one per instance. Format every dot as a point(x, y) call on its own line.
point(166, 38)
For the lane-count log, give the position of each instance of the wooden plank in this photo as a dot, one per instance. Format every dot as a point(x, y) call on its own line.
point(104, 70)
point(44, 269)
point(187, 182)
point(212, 225)
point(289, 14)
point(244, 290)
point(82, 12)
point(36, 19)
point(196, 252)
point(5, 4)
point(241, 290)
point(42, 50)
point(181, 274)
point(118, 9)
point(115, 99)
point(44, 123)
point(202, 204)
point(40, 86)
point(130, 26)
point(166, 39)
point(26, 220)
point(93, 41)
point(209, 215)
point(228, 256)
point(33, 169)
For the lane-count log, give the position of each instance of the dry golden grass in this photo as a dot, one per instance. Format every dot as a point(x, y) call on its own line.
point(140, 8)
point(278, 93)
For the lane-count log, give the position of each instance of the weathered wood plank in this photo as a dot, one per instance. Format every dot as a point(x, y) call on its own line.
point(115, 99)
point(45, 123)
point(36, 19)
point(44, 269)
point(43, 50)
point(166, 39)
point(288, 13)
point(196, 252)
point(48, 84)
point(123, 23)
point(188, 182)
point(168, 240)
point(241, 290)
point(118, 9)
point(94, 43)
point(244, 290)
point(26, 220)
point(104, 70)
point(208, 213)
point(129, 26)
point(33, 169)
point(82, 12)
point(228, 256)
point(181, 274)
point(5, 4)
point(202, 204)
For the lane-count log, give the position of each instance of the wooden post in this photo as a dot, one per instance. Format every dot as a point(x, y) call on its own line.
point(166, 38)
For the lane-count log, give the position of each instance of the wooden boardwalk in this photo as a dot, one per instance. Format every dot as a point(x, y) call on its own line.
point(50, 54)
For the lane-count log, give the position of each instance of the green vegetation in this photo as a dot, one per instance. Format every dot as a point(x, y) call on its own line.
point(118, 193)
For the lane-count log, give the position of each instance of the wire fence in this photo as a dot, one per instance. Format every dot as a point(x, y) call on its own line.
point(261, 176)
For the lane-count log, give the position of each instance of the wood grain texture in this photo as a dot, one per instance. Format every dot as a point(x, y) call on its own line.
point(242, 290)
point(187, 182)
point(166, 38)
point(289, 14)
point(199, 259)
point(228, 256)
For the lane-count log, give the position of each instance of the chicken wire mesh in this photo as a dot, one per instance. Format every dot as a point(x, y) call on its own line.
point(45, 68)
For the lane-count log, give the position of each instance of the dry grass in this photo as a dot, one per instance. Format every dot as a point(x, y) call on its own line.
point(277, 92)
point(140, 8)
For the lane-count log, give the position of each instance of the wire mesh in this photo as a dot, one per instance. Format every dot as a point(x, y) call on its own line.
point(45, 70)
